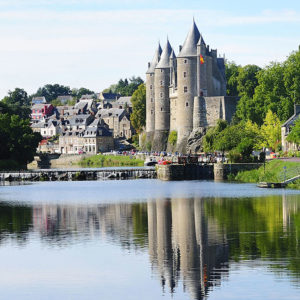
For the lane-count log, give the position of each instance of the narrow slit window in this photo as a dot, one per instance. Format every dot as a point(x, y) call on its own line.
point(185, 89)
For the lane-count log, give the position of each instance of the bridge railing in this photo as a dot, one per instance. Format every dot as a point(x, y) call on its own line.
point(289, 173)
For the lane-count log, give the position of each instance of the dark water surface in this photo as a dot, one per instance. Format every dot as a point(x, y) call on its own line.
point(147, 239)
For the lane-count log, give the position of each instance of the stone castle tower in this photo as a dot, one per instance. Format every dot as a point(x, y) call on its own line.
point(185, 93)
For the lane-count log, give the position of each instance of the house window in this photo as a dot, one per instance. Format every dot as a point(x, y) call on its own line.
point(186, 104)
point(185, 89)
point(184, 74)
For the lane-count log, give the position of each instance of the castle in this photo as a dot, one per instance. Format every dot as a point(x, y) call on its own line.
point(185, 93)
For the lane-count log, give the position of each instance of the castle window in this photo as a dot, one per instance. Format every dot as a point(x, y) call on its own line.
point(161, 70)
point(186, 104)
point(151, 112)
point(184, 74)
point(161, 109)
point(185, 89)
point(151, 99)
point(151, 87)
point(151, 74)
point(161, 82)
point(185, 61)
point(161, 95)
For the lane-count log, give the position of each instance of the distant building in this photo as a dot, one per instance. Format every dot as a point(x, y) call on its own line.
point(38, 100)
point(39, 111)
point(118, 120)
point(86, 106)
point(109, 96)
point(286, 128)
point(65, 99)
point(123, 103)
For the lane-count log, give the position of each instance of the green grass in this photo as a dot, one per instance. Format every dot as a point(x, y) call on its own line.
point(271, 173)
point(110, 161)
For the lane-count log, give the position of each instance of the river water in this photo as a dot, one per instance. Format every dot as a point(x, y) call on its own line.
point(147, 239)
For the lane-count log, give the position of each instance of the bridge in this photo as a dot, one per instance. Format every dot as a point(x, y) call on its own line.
point(79, 174)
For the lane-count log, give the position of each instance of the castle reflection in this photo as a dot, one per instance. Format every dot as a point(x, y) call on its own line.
point(186, 246)
point(191, 242)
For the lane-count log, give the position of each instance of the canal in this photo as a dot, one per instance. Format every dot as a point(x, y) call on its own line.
point(148, 239)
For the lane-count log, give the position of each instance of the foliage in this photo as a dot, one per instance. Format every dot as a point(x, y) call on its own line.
point(271, 130)
point(18, 141)
point(52, 91)
point(17, 102)
point(270, 172)
point(138, 116)
point(246, 83)
point(294, 135)
point(172, 139)
point(110, 161)
point(78, 93)
point(231, 72)
point(210, 136)
point(125, 87)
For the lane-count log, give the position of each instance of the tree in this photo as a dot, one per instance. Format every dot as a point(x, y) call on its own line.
point(211, 134)
point(138, 116)
point(246, 84)
point(231, 72)
point(17, 102)
point(271, 131)
point(17, 97)
point(52, 91)
point(294, 135)
point(82, 91)
point(18, 141)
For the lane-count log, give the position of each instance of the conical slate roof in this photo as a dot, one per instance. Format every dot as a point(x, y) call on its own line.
point(155, 59)
point(201, 41)
point(190, 45)
point(165, 57)
point(172, 56)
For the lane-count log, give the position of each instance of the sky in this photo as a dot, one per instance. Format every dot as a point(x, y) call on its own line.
point(94, 43)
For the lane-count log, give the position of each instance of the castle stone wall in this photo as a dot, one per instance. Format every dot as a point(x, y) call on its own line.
point(150, 104)
point(186, 91)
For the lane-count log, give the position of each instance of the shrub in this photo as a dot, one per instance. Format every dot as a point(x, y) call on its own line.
point(172, 139)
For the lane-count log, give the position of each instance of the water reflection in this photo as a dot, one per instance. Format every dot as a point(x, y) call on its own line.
point(191, 242)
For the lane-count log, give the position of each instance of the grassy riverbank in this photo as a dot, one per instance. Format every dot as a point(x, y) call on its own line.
point(271, 173)
point(110, 161)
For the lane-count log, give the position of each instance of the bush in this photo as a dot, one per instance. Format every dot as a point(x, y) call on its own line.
point(234, 156)
point(172, 139)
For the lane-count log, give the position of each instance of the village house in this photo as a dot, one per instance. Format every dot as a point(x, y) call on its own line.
point(97, 138)
point(48, 128)
point(38, 100)
point(86, 106)
point(123, 103)
point(65, 99)
point(286, 128)
point(78, 122)
point(71, 142)
point(39, 111)
point(118, 120)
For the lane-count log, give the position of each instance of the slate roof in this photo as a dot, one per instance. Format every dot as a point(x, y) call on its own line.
point(293, 118)
point(96, 131)
point(155, 60)
point(110, 96)
point(189, 47)
point(107, 112)
point(164, 61)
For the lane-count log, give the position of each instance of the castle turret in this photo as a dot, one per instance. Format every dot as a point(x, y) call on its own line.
point(150, 95)
point(162, 100)
point(172, 91)
point(186, 86)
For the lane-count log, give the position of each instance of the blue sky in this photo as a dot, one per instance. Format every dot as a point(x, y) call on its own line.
point(94, 43)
